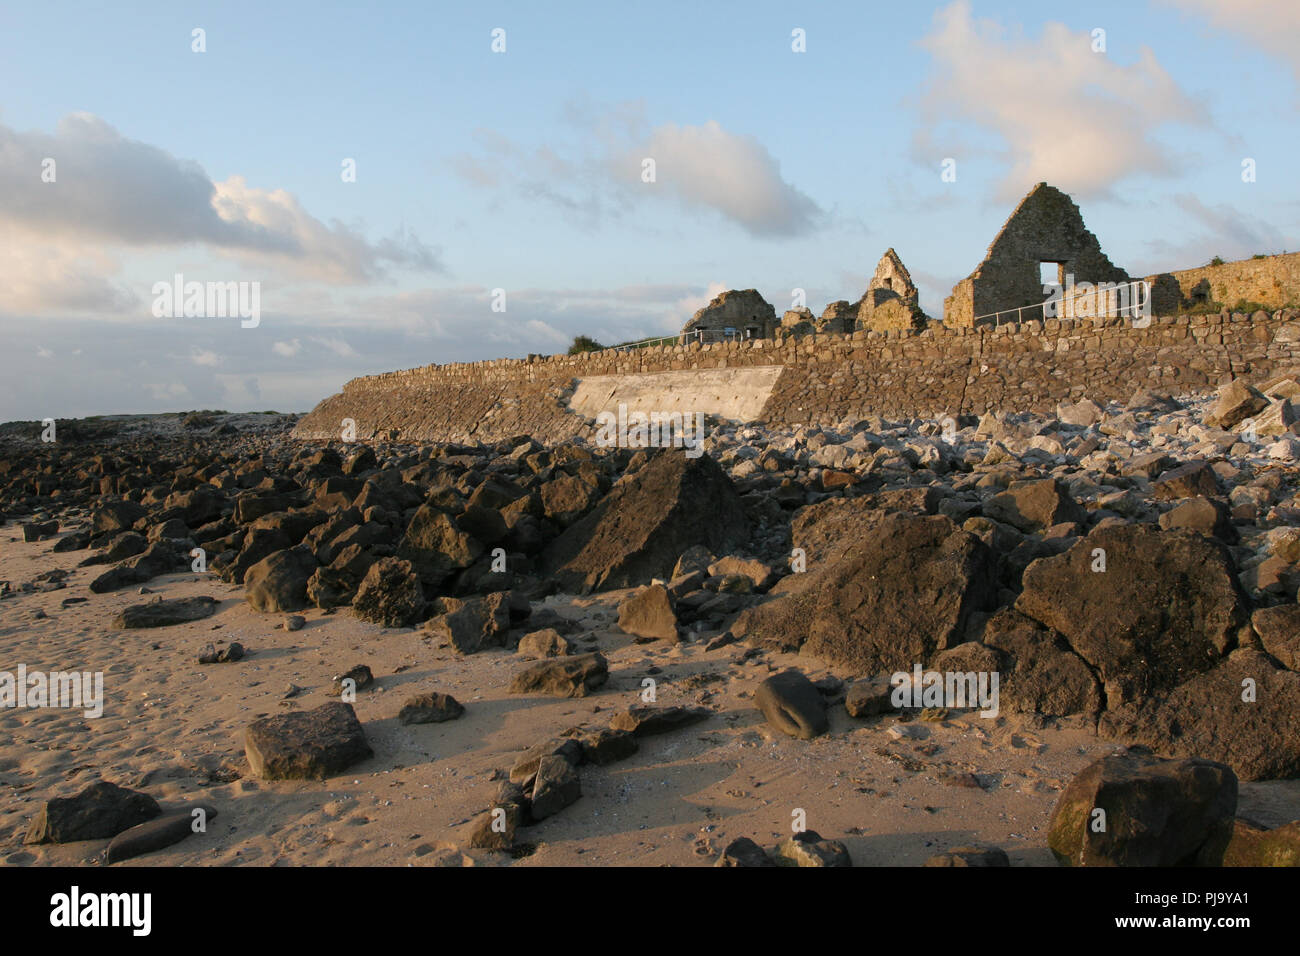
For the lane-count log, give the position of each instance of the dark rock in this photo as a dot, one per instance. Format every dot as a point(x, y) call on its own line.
point(650, 612)
point(607, 746)
point(437, 547)
point(557, 786)
point(475, 624)
point(1255, 845)
point(646, 521)
point(866, 698)
point(792, 705)
point(430, 709)
point(970, 856)
point(1209, 516)
point(170, 828)
point(544, 643)
point(648, 721)
point(1207, 717)
point(1186, 481)
point(1041, 674)
point(114, 516)
point(100, 811)
point(525, 768)
point(279, 582)
point(744, 852)
point(166, 613)
point(360, 676)
point(1166, 607)
point(77, 541)
point(809, 848)
point(575, 676)
point(1034, 505)
point(1157, 812)
point(234, 651)
point(314, 744)
point(883, 591)
point(1279, 633)
point(390, 595)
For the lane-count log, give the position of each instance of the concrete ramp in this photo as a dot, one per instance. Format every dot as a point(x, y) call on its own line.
point(738, 394)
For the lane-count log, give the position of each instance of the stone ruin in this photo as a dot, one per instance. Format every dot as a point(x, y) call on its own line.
point(890, 301)
point(734, 314)
point(1043, 242)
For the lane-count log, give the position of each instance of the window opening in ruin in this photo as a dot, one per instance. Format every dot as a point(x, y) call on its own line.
point(1049, 273)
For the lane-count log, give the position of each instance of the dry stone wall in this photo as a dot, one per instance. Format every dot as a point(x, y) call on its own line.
point(832, 378)
point(1271, 280)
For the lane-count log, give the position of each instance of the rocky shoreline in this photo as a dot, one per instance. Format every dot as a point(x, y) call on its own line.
point(1130, 571)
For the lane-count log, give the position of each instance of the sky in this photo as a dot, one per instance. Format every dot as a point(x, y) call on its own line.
point(412, 183)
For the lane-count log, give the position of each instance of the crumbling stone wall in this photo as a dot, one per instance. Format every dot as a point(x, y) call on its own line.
point(1046, 227)
point(828, 379)
point(739, 309)
point(891, 300)
point(1273, 282)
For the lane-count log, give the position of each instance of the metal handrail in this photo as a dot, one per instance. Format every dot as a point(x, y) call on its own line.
point(1133, 284)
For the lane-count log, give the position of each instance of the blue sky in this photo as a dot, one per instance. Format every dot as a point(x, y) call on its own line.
point(521, 170)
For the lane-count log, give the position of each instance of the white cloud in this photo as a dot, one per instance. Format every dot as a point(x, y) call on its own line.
point(1063, 113)
point(1272, 25)
point(205, 357)
point(287, 349)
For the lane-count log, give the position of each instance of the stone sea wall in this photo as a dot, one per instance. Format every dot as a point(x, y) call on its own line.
point(826, 379)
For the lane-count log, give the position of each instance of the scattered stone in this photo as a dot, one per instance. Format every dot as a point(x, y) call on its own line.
point(544, 643)
point(430, 709)
point(866, 698)
point(315, 744)
point(970, 856)
point(100, 811)
point(234, 651)
point(166, 613)
point(159, 833)
point(390, 594)
point(648, 721)
point(810, 849)
point(575, 676)
point(792, 705)
point(744, 852)
point(556, 787)
point(650, 612)
point(359, 676)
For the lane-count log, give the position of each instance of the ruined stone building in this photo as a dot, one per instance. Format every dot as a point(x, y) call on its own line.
point(891, 300)
point(1272, 282)
point(735, 313)
point(1044, 242)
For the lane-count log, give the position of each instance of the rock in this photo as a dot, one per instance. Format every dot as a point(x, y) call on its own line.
point(166, 613)
point(566, 498)
point(1167, 606)
point(525, 768)
point(1186, 481)
point(1279, 632)
point(234, 651)
point(475, 624)
point(495, 829)
point(1157, 812)
point(430, 709)
point(970, 856)
point(761, 575)
point(111, 517)
point(695, 558)
point(743, 852)
point(1209, 516)
point(648, 721)
point(158, 558)
point(1207, 716)
point(607, 746)
point(437, 547)
point(157, 834)
point(1040, 673)
point(390, 594)
point(646, 522)
point(294, 622)
point(359, 676)
point(556, 787)
point(278, 582)
point(883, 591)
point(810, 849)
point(792, 705)
point(77, 541)
point(313, 744)
point(1254, 845)
point(544, 643)
point(575, 676)
point(100, 811)
point(1236, 402)
point(866, 698)
point(1030, 506)
point(650, 612)
point(1081, 413)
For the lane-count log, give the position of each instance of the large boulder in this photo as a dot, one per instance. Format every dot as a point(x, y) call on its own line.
point(437, 546)
point(1152, 813)
point(575, 676)
point(474, 624)
point(793, 705)
point(1243, 713)
point(1166, 607)
point(1236, 402)
point(390, 594)
point(883, 591)
point(279, 582)
point(166, 613)
point(650, 612)
point(647, 520)
point(114, 516)
point(1037, 505)
point(1040, 673)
